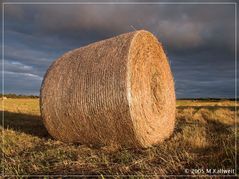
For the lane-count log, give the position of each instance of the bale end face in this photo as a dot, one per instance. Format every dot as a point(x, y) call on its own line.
point(151, 90)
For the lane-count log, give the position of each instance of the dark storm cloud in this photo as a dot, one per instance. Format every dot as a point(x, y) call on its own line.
point(199, 40)
point(181, 26)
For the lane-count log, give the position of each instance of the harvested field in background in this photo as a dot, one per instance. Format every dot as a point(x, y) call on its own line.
point(203, 139)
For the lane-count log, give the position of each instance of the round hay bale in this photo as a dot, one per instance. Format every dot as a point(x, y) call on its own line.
point(117, 91)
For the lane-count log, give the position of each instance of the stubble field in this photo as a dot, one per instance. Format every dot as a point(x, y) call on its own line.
point(203, 143)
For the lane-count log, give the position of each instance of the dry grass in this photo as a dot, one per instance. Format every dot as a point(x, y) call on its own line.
point(203, 139)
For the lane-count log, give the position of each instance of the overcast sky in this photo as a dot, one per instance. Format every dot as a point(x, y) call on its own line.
point(198, 39)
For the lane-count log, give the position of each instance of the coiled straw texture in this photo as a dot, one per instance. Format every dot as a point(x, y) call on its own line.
point(119, 91)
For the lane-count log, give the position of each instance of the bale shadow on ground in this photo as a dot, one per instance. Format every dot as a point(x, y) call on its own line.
point(29, 124)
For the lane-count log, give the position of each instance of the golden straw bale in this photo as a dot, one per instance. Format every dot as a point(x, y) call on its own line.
point(117, 91)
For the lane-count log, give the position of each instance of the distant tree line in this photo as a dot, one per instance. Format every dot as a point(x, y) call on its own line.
point(209, 99)
point(12, 95)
